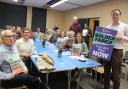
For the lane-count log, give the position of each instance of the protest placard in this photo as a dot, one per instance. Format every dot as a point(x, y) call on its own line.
point(103, 43)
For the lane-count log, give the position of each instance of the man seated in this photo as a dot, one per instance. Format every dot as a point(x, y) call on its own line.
point(38, 34)
point(25, 47)
point(13, 72)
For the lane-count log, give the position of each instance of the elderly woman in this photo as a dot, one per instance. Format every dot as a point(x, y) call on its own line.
point(61, 41)
point(69, 39)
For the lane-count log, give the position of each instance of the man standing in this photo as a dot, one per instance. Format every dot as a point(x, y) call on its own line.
point(87, 34)
point(115, 62)
point(13, 72)
point(76, 27)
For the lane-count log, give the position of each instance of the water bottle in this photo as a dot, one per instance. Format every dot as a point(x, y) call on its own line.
point(59, 52)
point(43, 43)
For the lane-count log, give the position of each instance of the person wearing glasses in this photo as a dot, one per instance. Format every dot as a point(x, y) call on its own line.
point(114, 65)
point(13, 72)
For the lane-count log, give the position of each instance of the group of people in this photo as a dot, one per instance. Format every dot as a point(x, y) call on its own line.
point(112, 68)
point(74, 40)
point(14, 54)
point(19, 42)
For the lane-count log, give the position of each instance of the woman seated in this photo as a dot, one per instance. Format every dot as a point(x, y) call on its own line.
point(79, 46)
point(69, 40)
point(61, 41)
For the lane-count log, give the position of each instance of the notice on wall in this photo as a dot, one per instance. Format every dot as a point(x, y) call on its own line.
point(103, 43)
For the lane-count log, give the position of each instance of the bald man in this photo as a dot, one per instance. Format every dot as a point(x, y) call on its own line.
point(9, 78)
point(76, 27)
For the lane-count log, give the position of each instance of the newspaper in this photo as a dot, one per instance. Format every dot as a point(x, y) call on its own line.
point(45, 63)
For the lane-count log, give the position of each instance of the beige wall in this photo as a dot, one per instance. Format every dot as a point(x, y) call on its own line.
point(55, 18)
point(29, 17)
point(101, 10)
point(64, 19)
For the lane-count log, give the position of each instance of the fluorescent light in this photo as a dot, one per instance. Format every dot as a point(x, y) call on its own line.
point(58, 3)
point(15, 0)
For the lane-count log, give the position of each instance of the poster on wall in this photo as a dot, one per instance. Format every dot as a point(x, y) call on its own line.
point(103, 43)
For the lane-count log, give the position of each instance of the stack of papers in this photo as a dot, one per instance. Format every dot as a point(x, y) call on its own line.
point(43, 65)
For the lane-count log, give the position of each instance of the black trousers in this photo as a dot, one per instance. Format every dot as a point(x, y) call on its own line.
point(115, 65)
point(32, 69)
point(20, 80)
point(28, 62)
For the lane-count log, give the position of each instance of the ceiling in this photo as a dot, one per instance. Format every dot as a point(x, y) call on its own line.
point(70, 4)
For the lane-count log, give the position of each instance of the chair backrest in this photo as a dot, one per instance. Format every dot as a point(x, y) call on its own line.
point(125, 56)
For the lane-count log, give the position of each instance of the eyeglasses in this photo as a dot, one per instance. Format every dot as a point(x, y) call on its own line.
point(26, 32)
point(9, 36)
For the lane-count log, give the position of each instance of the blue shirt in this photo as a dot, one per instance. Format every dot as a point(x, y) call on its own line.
point(5, 69)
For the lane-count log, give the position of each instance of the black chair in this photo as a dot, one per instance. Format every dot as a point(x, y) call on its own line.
point(125, 64)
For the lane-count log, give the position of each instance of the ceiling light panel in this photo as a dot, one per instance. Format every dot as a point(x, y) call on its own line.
point(65, 6)
point(85, 2)
point(36, 3)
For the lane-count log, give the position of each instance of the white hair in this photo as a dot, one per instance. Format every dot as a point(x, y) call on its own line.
point(72, 33)
point(4, 32)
